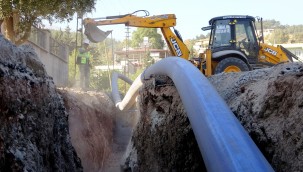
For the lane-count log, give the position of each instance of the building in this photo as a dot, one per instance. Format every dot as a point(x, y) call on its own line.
point(138, 56)
point(265, 32)
point(201, 45)
point(123, 67)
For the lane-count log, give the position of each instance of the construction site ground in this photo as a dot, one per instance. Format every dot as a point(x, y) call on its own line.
point(45, 128)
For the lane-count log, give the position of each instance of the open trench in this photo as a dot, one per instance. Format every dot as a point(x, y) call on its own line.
point(35, 118)
point(267, 102)
point(124, 124)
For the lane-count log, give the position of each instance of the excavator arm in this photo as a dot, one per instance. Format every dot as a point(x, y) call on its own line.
point(164, 22)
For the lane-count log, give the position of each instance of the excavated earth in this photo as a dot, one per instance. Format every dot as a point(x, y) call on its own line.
point(267, 102)
point(34, 133)
point(91, 124)
point(43, 128)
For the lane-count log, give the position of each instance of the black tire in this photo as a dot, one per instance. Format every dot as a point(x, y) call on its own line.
point(230, 63)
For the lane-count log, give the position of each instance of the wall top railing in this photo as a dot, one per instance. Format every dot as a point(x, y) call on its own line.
point(42, 38)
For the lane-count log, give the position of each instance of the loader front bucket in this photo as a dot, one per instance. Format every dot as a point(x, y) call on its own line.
point(94, 34)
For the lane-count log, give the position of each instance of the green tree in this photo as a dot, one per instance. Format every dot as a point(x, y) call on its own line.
point(297, 37)
point(201, 36)
point(190, 45)
point(279, 36)
point(154, 38)
point(268, 24)
point(19, 15)
point(73, 71)
point(67, 37)
point(102, 53)
point(295, 33)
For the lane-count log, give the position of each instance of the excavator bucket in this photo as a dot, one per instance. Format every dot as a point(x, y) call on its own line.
point(94, 34)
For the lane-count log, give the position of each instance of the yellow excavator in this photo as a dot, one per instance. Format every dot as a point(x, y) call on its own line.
point(165, 22)
point(234, 44)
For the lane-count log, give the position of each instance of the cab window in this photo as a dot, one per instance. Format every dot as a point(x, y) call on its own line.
point(221, 35)
point(245, 37)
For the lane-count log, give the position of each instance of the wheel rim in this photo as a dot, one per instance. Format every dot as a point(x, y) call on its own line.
point(232, 69)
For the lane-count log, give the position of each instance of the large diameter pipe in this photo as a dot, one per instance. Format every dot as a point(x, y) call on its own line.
point(223, 142)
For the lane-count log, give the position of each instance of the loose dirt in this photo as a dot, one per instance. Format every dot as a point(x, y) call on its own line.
point(91, 123)
point(268, 103)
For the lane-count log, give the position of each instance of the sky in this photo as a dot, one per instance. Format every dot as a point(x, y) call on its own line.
point(192, 15)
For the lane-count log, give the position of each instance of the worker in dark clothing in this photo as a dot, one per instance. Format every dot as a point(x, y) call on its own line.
point(83, 61)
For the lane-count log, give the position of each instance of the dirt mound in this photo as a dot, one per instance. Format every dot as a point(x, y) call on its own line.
point(40, 124)
point(269, 105)
point(33, 122)
point(163, 139)
point(267, 102)
point(91, 124)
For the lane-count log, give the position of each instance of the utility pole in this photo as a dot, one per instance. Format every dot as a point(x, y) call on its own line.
point(79, 17)
point(113, 57)
point(126, 55)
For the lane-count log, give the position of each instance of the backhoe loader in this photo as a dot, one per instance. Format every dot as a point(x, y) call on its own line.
point(234, 45)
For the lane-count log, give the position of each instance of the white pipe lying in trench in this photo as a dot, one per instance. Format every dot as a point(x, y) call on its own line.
point(223, 142)
point(130, 97)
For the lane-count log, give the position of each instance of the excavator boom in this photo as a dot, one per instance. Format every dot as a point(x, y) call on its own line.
point(164, 22)
point(157, 21)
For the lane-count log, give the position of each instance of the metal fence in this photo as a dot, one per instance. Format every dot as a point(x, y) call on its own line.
point(38, 37)
point(57, 48)
point(41, 39)
point(52, 53)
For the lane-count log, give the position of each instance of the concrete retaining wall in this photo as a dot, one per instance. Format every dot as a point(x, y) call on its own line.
point(54, 55)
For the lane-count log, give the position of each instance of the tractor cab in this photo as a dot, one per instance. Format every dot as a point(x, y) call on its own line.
point(233, 35)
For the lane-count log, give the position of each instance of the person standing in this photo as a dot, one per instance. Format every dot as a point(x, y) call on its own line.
point(83, 62)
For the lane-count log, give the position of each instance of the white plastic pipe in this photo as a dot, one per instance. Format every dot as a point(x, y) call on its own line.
point(223, 142)
point(130, 97)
